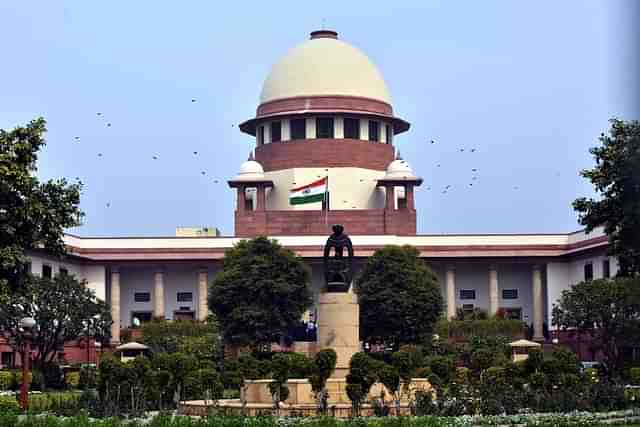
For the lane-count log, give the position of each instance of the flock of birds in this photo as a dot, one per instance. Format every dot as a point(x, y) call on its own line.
point(444, 190)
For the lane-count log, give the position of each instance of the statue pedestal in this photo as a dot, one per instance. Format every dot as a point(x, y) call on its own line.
point(338, 327)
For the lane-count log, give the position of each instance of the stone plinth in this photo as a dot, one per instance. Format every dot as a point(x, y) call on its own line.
point(338, 327)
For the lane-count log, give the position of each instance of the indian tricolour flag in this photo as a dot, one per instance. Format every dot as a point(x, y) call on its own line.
point(317, 191)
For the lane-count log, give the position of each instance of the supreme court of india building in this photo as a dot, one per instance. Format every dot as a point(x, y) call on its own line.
point(325, 120)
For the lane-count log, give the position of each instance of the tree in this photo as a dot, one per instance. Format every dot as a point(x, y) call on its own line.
point(324, 363)
point(63, 309)
point(361, 376)
point(608, 310)
point(616, 177)
point(261, 292)
point(201, 339)
point(398, 295)
point(33, 215)
point(281, 366)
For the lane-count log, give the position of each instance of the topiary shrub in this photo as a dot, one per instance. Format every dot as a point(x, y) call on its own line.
point(481, 359)
point(9, 405)
point(424, 404)
point(87, 378)
point(72, 379)
point(6, 380)
point(443, 367)
point(634, 374)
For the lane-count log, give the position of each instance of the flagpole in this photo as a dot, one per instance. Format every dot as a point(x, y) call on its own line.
point(326, 204)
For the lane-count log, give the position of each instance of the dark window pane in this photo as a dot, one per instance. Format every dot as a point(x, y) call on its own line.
point(298, 128)
point(46, 271)
point(63, 271)
point(467, 294)
point(324, 127)
point(142, 297)
point(388, 134)
point(275, 131)
point(467, 308)
point(374, 131)
point(351, 128)
point(606, 269)
point(142, 316)
point(588, 272)
point(185, 296)
point(513, 313)
point(509, 294)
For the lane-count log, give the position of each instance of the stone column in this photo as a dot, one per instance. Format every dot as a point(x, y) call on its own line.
point(261, 196)
point(494, 300)
point(451, 292)
point(241, 199)
point(537, 303)
point(339, 327)
point(115, 305)
point(158, 295)
point(408, 193)
point(203, 307)
point(390, 204)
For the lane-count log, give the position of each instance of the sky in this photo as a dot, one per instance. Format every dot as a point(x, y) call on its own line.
point(529, 86)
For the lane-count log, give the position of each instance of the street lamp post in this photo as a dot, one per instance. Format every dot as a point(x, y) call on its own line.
point(26, 324)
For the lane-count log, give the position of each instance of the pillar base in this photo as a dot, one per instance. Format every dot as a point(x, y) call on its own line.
point(338, 327)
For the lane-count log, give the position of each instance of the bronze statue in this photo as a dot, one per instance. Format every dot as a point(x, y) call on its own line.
point(338, 271)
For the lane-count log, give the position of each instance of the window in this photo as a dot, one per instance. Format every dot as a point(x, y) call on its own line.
point(588, 272)
point(388, 135)
point(351, 128)
point(142, 316)
point(141, 297)
point(467, 294)
point(276, 131)
point(298, 128)
point(509, 294)
point(260, 135)
point(63, 271)
point(513, 313)
point(46, 271)
point(324, 127)
point(7, 359)
point(374, 131)
point(606, 269)
point(467, 308)
point(185, 296)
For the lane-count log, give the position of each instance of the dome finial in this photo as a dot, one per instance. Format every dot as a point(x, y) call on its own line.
point(398, 155)
point(250, 159)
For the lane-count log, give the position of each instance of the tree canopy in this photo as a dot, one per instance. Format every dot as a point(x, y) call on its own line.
point(63, 308)
point(616, 178)
point(398, 295)
point(32, 214)
point(260, 293)
point(609, 310)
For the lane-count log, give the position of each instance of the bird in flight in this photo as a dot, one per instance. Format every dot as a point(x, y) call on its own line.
point(99, 154)
point(204, 172)
point(193, 100)
point(98, 114)
point(195, 153)
point(155, 157)
point(215, 181)
point(77, 138)
point(461, 150)
point(108, 204)
point(432, 141)
point(108, 125)
point(474, 170)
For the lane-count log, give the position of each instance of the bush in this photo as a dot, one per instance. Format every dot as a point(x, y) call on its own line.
point(443, 367)
point(424, 404)
point(53, 376)
point(58, 403)
point(466, 329)
point(87, 377)
point(17, 381)
point(9, 405)
point(634, 374)
point(481, 360)
point(6, 380)
point(72, 379)
point(299, 365)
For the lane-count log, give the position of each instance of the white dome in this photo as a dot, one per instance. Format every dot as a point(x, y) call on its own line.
point(399, 169)
point(250, 170)
point(324, 66)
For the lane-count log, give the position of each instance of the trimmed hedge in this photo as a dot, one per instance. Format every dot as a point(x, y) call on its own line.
point(556, 420)
point(466, 329)
point(6, 380)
